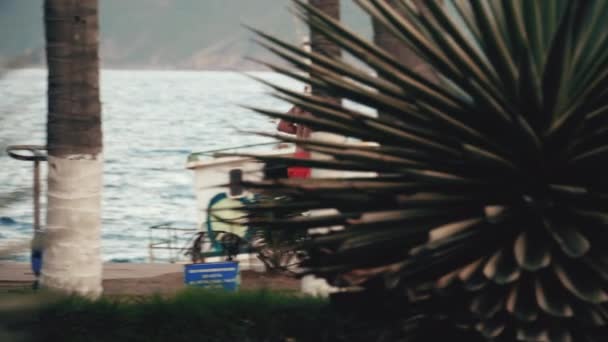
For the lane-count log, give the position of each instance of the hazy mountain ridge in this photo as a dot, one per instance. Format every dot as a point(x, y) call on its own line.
point(168, 34)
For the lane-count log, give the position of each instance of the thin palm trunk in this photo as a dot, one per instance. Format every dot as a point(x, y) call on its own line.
point(386, 40)
point(319, 43)
point(72, 260)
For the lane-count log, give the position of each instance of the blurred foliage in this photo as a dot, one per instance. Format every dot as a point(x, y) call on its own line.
point(203, 315)
point(194, 314)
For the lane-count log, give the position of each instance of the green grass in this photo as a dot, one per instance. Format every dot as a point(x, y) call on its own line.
point(193, 315)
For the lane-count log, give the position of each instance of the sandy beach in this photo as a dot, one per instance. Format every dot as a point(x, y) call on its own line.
point(143, 279)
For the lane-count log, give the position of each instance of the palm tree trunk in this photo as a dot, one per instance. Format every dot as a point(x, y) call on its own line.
point(72, 260)
point(319, 43)
point(386, 40)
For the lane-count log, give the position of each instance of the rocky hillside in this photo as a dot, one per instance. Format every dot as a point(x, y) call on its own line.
point(168, 34)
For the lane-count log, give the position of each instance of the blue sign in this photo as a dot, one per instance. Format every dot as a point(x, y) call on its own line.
point(217, 275)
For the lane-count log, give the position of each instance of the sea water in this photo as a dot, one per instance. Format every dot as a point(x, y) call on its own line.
point(152, 121)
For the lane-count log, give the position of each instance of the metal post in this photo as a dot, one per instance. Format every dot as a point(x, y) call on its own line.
point(36, 195)
point(36, 155)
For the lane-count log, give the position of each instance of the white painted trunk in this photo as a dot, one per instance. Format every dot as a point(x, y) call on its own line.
point(316, 287)
point(329, 137)
point(72, 250)
point(310, 284)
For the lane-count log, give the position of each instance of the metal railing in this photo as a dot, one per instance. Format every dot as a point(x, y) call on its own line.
point(235, 149)
point(174, 242)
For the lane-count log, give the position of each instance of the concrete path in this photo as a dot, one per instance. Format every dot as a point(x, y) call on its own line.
point(18, 271)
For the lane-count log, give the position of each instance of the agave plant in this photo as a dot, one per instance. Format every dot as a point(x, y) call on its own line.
point(491, 189)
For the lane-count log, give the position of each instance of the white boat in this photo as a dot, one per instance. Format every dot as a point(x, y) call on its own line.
point(212, 181)
point(212, 174)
